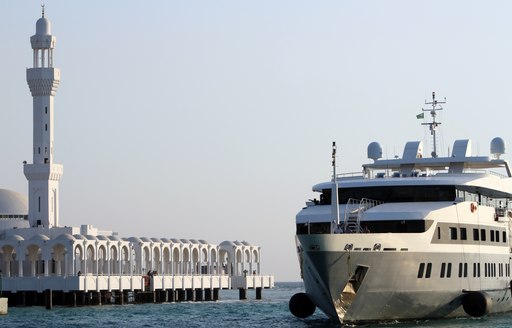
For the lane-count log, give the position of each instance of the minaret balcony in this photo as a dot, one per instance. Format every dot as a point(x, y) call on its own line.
point(43, 81)
point(43, 171)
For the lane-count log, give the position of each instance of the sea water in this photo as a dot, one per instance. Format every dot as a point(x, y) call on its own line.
point(271, 311)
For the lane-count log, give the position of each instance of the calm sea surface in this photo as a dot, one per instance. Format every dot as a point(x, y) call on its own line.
point(272, 311)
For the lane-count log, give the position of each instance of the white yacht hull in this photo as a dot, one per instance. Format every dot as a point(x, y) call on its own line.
point(386, 285)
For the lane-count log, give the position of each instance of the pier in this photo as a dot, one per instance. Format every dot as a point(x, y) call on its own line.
point(91, 270)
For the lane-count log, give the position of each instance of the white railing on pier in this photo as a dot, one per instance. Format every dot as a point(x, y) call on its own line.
point(132, 282)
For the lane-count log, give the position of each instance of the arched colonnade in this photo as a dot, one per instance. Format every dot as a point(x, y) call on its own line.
point(71, 255)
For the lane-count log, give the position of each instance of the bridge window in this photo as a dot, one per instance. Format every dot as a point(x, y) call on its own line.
point(453, 233)
point(476, 235)
point(463, 234)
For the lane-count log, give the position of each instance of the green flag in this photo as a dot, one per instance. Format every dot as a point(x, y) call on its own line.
point(420, 116)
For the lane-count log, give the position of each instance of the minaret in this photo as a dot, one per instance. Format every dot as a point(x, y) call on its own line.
point(43, 175)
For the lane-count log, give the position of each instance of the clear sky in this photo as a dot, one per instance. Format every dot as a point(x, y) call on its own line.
point(213, 119)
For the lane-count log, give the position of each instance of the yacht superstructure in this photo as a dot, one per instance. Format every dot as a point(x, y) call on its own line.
point(410, 237)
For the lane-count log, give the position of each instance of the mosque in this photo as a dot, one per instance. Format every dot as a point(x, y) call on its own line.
point(45, 263)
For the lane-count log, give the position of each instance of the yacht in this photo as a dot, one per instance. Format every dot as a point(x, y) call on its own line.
point(409, 238)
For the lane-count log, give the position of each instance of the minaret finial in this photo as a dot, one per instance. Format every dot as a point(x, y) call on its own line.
point(42, 10)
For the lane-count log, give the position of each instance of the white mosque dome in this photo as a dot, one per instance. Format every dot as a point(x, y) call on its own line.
point(40, 237)
point(79, 236)
point(43, 26)
point(65, 236)
point(135, 240)
point(15, 238)
point(12, 202)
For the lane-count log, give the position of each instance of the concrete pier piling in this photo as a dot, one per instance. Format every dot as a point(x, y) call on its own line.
point(242, 292)
point(208, 294)
point(48, 297)
point(199, 295)
point(258, 293)
point(216, 294)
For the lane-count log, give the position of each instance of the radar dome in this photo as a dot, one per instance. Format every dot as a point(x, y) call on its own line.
point(497, 147)
point(374, 151)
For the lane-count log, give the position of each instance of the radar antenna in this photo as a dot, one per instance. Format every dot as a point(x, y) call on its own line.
point(433, 125)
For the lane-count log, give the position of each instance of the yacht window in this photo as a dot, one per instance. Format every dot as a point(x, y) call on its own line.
point(492, 235)
point(463, 234)
point(478, 267)
point(320, 228)
point(302, 228)
point(393, 194)
point(453, 233)
point(449, 270)
point(482, 234)
point(420, 270)
point(443, 268)
point(429, 270)
point(438, 232)
point(476, 236)
point(504, 236)
point(474, 270)
point(396, 226)
point(463, 269)
point(497, 236)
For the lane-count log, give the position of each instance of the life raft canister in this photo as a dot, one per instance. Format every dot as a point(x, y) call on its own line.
point(473, 207)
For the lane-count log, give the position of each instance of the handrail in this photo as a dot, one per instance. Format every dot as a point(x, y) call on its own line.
point(354, 211)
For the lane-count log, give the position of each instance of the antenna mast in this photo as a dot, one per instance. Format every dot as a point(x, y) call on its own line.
point(335, 210)
point(433, 125)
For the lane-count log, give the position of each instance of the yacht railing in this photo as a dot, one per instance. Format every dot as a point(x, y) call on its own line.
point(354, 212)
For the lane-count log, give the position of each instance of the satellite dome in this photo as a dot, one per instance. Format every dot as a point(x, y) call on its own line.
point(374, 151)
point(497, 147)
